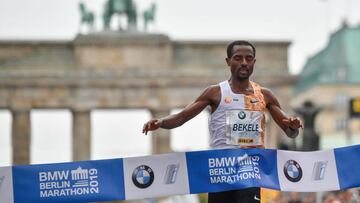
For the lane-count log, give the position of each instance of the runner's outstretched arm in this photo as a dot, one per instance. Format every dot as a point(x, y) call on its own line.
point(190, 111)
point(290, 125)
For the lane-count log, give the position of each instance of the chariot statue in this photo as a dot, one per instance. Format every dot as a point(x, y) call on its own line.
point(120, 8)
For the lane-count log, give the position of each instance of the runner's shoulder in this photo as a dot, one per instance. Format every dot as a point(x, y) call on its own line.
point(212, 93)
point(269, 97)
point(212, 90)
point(213, 87)
point(266, 91)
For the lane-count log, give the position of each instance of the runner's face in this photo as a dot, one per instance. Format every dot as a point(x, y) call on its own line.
point(242, 62)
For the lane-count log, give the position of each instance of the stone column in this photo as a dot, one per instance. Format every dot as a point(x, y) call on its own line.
point(21, 132)
point(81, 135)
point(161, 137)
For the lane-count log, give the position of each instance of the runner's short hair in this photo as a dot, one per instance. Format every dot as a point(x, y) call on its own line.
point(230, 47)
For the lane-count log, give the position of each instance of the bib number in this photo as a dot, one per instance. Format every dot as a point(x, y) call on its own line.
point(244, 127)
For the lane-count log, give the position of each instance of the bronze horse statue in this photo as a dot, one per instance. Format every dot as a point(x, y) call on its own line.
point(120, 7)
point(87, 17)
point(149, 16)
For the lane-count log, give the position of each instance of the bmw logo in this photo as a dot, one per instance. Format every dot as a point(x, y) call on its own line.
point(143, 176)
point(242, 115)
point(293, 171)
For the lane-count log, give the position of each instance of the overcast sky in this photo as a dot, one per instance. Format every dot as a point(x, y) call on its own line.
point(306, 23)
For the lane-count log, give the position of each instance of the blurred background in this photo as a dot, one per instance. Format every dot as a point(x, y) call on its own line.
point(79, 78)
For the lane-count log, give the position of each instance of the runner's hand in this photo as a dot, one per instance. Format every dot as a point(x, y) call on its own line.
point(151, 125)
point(293, 123)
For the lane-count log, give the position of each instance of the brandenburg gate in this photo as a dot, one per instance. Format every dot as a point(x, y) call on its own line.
point(120, 70)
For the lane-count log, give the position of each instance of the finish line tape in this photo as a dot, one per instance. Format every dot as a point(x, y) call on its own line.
point(181, 173)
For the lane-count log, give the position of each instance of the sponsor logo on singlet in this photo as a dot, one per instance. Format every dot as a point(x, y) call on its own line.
point(228, 100)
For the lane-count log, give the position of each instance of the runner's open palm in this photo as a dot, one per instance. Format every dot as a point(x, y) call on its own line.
point(151, 125)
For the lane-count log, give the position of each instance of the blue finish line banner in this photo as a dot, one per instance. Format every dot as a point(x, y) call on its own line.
point(181, 173)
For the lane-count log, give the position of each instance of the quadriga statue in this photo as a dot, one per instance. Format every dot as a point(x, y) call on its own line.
point(121, 8)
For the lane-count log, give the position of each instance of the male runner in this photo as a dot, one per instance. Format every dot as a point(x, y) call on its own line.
point(237, 119)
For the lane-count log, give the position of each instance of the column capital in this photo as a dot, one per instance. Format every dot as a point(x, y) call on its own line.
point(159, 112)
point(20, 109)
point(80, 110)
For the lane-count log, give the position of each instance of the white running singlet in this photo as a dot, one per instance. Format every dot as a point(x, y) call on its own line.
point(239, 120)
